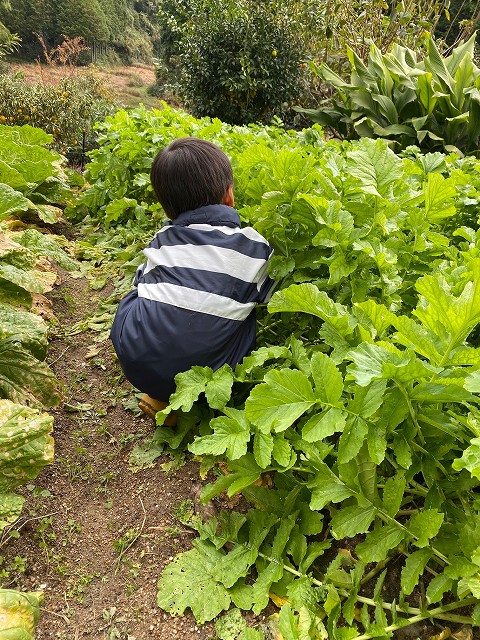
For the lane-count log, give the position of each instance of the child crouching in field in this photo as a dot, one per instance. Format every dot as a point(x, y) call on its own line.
point(195, 296)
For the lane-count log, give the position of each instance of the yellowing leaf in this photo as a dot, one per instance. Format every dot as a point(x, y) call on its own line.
point(278, 600)
point(25, 444)
point(23, 377)
point(49, 214)
point(19, 612)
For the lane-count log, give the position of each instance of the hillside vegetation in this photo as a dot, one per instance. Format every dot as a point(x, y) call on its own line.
point(115, 30)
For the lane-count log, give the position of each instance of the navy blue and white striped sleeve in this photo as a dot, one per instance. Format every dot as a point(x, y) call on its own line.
point(139, 274)
point(266, 285)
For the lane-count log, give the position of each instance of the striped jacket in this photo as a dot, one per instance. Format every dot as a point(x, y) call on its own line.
point(194, 301)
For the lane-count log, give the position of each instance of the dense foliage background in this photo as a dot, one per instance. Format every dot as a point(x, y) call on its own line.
point(115, 29)
point(240, 61)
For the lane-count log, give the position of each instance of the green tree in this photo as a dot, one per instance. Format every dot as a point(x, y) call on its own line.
point(84, 18)
point(119, 18)
point(28, 18)
point(125, 26)
point(174, 16)
point(9, 42)
point(130, 29)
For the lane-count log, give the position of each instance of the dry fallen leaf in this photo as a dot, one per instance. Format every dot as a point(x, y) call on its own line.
point(464, 633)
point(14, 224)
point(7, 245)
point(446, 633)
point(43, 307)
point(265, 480)
point(272, 628)
point(347, 559)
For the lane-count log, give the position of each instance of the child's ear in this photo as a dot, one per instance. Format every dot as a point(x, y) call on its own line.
point(228, 198)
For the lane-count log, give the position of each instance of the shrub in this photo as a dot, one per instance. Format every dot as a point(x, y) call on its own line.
point(134, 47)
point(240, 64)
point(327, 29)
point(68, 110)
point(458, 23)
point(25, 19)
point(341, 23)
point(321, 31)
point(162, 75)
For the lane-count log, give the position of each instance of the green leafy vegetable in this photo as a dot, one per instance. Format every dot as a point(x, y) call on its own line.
point(357, 418)
point(188, 583)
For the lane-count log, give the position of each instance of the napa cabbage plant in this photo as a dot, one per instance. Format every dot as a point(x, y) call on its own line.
point(33, 180)
point(33, 183)
point(24, 376)
point(19, 612)
point(26, 446)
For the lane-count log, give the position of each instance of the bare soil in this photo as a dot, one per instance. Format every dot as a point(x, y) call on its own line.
point(94, 533)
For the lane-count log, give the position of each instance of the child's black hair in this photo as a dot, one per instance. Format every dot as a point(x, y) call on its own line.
point(190, 173)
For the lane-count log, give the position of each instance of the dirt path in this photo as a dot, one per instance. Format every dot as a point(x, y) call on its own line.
point(95, 533)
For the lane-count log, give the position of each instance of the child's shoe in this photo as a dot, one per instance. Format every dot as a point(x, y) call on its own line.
point(150, 407)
